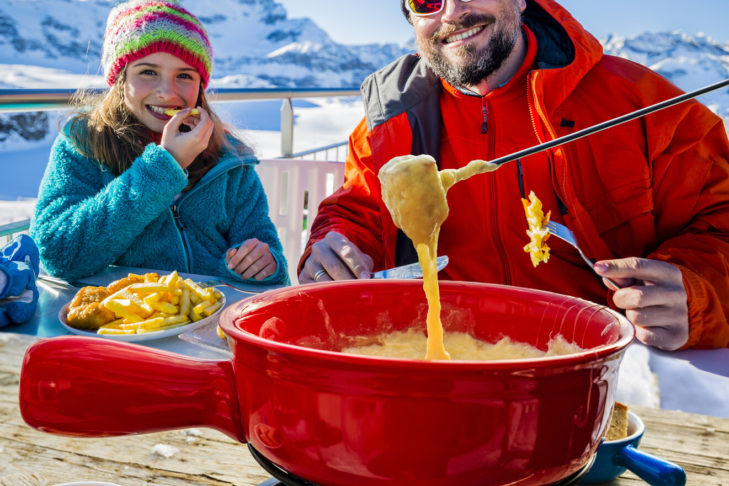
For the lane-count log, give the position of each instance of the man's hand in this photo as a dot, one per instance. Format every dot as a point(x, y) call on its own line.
point(654, 298)
point(335, 258)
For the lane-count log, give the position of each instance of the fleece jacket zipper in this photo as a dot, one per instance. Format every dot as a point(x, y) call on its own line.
point(214, 173)
point(186, 251)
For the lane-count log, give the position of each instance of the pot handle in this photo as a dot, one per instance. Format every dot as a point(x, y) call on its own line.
point(651, 469)
point(97, 387)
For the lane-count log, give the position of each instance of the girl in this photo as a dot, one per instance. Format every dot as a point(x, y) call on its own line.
point(133, 182)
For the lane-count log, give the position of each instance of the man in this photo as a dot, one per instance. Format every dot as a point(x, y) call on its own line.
point(648, 199)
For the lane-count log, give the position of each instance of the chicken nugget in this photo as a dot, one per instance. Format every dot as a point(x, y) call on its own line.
point(85, 310)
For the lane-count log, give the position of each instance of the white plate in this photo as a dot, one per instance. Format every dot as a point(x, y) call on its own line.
point(147, 336)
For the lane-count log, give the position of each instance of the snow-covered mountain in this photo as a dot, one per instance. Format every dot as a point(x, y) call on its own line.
point(254, 41)
point(57, 43)
point(689, 62)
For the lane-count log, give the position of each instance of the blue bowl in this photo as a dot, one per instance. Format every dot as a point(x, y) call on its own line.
point(615, 456)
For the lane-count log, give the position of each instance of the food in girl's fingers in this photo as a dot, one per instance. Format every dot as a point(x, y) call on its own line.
point(173, 112)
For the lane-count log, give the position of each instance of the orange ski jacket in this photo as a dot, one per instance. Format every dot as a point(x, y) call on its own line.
point(656, 187)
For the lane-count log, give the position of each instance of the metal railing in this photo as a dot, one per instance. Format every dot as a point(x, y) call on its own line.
point(24, 100)
point(7, 231)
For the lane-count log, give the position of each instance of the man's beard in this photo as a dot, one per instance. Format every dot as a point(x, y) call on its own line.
point(475, 65)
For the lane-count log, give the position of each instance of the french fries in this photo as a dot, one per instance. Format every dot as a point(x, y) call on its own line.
point(157, 304)
point(172, 112)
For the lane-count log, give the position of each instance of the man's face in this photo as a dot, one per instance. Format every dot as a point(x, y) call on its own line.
point(466, 42)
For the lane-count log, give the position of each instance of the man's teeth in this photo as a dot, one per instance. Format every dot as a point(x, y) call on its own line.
point(464, 35)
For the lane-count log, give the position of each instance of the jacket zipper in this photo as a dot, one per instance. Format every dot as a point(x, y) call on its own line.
point(553, 175)
point(531, 112)
point(494, 222)
point(485, 112)
point(175, 210)
point(183, 236)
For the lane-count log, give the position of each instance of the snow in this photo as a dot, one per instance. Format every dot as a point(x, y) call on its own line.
point(637, 384)
point(37, 77)
point(254, 37)
point(693, 380)
point(165, 450)
point(12, 211)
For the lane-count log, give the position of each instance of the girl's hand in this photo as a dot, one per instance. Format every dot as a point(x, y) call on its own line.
point(186, 146)
point(654, 299)
point(252, 260)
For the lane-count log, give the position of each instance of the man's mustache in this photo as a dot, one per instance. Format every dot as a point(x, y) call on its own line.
point(465, 23)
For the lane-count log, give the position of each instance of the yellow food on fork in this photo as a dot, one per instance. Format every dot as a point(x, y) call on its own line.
point(537, 231)
point(150, 303)
point(173, 112)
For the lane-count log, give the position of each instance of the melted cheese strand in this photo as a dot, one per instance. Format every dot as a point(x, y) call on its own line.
point(415, 194)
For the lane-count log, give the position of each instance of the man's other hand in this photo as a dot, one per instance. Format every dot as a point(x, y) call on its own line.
point(654, 298)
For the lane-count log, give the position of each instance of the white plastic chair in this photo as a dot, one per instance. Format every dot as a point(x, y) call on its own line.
point(294, 188)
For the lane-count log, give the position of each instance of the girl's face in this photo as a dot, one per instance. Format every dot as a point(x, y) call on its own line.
point(156, 83)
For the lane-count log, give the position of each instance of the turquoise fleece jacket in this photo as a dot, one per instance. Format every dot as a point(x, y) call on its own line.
point(87, 218)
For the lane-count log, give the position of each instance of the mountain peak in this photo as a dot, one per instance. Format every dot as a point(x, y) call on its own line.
point(252, 39)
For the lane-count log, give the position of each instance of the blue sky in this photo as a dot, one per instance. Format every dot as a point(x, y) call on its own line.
point(382, 21)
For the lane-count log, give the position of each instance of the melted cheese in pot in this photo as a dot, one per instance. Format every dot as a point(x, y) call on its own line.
point(412, 344)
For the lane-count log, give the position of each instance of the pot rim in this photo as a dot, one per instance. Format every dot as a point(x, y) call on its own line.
point(627, 332)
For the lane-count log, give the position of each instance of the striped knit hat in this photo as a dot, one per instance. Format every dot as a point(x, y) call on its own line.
point(138, 28)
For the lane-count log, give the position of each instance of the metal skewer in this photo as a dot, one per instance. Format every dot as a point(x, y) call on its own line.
point(608, 124)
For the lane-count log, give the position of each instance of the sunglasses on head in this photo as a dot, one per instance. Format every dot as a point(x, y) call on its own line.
point(427, 7)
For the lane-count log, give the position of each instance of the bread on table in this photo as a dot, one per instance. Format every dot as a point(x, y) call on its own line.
point(618, 428)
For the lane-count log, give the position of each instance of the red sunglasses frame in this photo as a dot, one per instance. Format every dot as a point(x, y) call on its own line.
point(441, 3)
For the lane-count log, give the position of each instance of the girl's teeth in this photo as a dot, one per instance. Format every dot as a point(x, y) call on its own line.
point(157, 109)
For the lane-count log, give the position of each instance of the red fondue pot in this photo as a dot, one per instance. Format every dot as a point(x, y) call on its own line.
point(336, 419)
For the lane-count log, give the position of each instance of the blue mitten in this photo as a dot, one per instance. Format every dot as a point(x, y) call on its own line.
point(19, 263)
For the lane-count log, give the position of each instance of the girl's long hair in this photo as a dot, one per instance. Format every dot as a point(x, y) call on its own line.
point(102, 129)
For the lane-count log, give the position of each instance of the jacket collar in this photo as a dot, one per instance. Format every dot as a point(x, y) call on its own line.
point(565, 51)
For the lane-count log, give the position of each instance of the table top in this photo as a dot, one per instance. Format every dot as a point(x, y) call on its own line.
point(698, 443)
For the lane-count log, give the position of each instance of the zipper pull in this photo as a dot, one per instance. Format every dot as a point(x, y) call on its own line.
point(484, 110)
point(176, 216)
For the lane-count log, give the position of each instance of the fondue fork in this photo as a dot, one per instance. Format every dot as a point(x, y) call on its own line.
point(565, 234)
point(604, 125)
point(411, 270)
point(219, 283)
